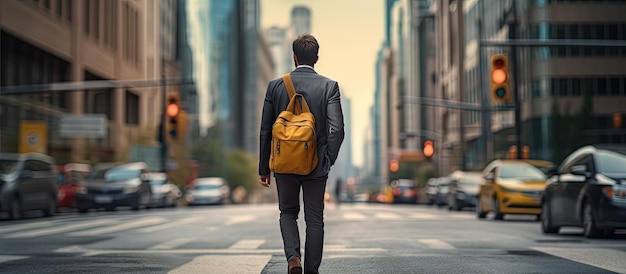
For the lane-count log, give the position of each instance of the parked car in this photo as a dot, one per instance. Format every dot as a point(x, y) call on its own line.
point(464, 188)
point(208, 190)
point(443, 188)
point(588, 191)
point(164, 192)
point(28, 182)
point(511, 187)
point(112, 186)
point(404, 191)
point(431, 191)
point(68, 178)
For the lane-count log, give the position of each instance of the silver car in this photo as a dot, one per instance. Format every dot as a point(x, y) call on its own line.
point(210, 190)
point(164, 192)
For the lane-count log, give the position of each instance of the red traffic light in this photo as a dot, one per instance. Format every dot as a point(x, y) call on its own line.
point(429, 149)
point(172, 110)
point(394, 165)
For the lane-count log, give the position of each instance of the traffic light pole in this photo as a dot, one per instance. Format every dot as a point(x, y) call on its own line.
point(163, 119)
point(516, 74)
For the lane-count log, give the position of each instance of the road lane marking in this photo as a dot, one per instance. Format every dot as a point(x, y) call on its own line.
point(121, 227)
point(422, 216)
point(609, 259)
point(436, 244)
point(171, 244)
point(8, 258)
point(59, 229)
point(225, 264)
point(387, 216)
point(247, 244)
point(240, 219)
point(169, 225)
point(11, 228)
point(350, 216)
point(95, 252)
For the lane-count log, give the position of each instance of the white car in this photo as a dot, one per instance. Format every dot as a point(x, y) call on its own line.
point(210, 190)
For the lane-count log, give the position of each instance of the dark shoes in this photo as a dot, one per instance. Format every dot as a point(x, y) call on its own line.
point(295, 267)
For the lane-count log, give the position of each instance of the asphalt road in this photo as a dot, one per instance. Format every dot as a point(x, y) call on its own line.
point(360, 238)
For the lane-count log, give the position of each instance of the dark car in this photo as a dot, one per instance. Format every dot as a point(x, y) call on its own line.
point(404, 191)
point(443, 188)
point(109, 187)
point(589, 191)
point(463, 190)
point(164, 192)
point(27, 182)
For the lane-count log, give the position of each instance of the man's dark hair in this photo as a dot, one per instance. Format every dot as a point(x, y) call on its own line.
point(305, 47)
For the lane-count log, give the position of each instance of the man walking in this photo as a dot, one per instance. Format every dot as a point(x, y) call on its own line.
point(323, 98)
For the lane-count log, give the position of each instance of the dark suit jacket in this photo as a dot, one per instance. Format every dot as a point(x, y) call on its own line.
point(323, 97)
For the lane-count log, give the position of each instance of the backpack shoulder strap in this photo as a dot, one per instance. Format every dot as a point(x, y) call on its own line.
point(291, 90)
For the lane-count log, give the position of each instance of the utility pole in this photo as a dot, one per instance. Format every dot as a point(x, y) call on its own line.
point(512, 22)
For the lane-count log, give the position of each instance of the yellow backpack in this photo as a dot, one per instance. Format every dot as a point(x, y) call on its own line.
point(294, 144)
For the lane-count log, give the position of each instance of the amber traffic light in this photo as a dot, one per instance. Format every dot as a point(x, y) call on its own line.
point(394, 165)
point(428, 149)
point(500, 88)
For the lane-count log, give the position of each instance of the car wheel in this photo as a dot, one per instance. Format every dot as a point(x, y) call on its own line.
point(546, 220)
point(479, 211)
point(52, 207)
point(589, 224)
point(496, 210)
point(15, 212)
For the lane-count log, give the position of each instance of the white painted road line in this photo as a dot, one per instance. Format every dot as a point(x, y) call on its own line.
point(169, 225)
point(436, 244)
point(240, 219)
point(247, 244)
point(10, 228)
point(8, 258)
point(225, 264)
point(121, 227)
point(609, 259)
point(387, 216)
point(171, 244)
point(353, 216)
point(422, 216)
point(60, 228)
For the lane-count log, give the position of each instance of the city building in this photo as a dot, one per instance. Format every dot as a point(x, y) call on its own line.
point(56, 41)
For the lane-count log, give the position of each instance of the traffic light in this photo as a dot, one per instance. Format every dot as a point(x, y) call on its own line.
point(428, 149)
point(176, 117)
point(394, 165)
point(500, 89)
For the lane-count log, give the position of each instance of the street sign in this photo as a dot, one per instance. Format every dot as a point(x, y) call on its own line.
point(33, 137)
point(84, 125)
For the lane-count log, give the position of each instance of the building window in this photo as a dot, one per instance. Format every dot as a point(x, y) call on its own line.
point(132, 108)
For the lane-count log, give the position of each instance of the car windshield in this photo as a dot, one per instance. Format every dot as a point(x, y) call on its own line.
point(206, 187)
point(521, 171)
point(115, 174)
point(157, 182)
point(7, 166)
point(611, 162)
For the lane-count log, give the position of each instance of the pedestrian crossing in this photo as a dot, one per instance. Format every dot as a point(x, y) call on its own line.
point(153, 224)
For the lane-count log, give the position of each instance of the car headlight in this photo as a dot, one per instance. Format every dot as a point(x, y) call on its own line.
point(131, 190)
point(81, 190)
point(508, 190)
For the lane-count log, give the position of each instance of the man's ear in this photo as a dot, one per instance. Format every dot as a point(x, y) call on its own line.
point(316, 59)
point(295, 59)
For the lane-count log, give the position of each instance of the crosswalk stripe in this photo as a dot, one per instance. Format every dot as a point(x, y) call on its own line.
point(436, 244)
point(240, 219)
point(169, 225)
point(387, 216)
point(609, 259)
point(11, 228)
point(247, 244)
point(171, 244)
point(59, 229)
point(225, 264)
point(8, 258)
point(422, 216)
point(117, 228)
point(351, 216)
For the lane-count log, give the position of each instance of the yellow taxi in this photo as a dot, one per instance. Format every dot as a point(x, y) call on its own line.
point(512, 187)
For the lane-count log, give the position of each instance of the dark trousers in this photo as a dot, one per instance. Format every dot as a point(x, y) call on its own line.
point(289, 205)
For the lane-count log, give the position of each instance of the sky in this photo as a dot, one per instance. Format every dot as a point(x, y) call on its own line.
point(350, 34)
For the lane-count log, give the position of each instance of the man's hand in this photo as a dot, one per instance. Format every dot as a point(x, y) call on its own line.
point(264, 180)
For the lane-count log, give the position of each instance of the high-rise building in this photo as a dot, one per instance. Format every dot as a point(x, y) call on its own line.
point(280, 39)
point(301, 20)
